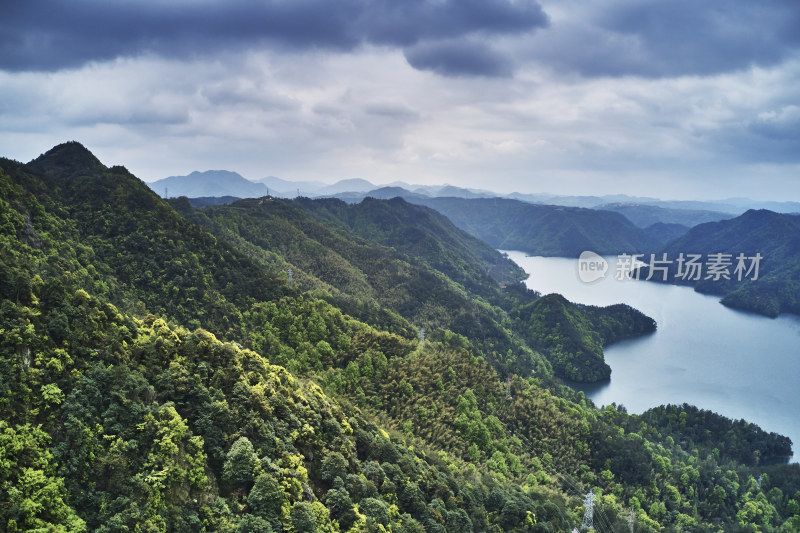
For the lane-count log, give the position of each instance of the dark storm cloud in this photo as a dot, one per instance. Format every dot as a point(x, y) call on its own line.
point(771, 137)
point(391, 111)
point(458, 58)
point(44, 36)
point(782, 125)
point(655, 38)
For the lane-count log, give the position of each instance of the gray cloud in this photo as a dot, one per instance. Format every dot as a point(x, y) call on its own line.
point(44, 36)
point(769, 138)
point(391, 110)
point(782, 124)
point(636, 96)
point(656, 39)
point(648, 38)
point(459, 58)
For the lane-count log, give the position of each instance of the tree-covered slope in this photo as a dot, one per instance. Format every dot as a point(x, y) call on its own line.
point(356, 271)
point(120, 410)
point(138, 250)
point(574, 336)
point(423, 233)
point(137, 425)
point(112, 422)
point(542, 229)
point(645, 215)
point(775, 236)
point(417, 283)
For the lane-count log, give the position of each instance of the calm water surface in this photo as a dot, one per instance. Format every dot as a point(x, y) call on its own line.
point(738, 364)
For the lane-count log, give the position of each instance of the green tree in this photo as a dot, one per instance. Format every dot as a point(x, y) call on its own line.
point(341, 507)
point(254, 524)
point(303, 518)
point(334, 465)
point(266, 498)
point(375, 510)
point(240, 462)
point(32, 497)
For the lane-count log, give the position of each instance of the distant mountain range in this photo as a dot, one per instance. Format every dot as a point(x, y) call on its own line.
point(224, 183)
point(642, 211)
point(644, 215)
point(550, 225)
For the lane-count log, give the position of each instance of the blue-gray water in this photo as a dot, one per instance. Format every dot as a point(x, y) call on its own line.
point(740, 365)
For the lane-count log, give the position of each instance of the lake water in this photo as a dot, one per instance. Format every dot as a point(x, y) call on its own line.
point(738, 364)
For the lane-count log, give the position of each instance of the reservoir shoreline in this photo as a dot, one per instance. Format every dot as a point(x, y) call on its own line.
point(739, 364)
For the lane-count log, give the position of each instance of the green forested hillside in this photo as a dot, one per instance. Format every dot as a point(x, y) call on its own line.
point(158, 376)
point(546, 230)
point(574, 336)
point(775, 236)
point(420, 232)
point(354, 272)
point(408, 280)
point(645, 215)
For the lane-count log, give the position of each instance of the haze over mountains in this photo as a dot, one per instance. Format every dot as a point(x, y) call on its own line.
point(219, 183)
point(642, 211)
point(551, 225)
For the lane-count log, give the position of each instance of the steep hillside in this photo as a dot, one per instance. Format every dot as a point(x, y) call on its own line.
point(644, 215)
point(542, 229)
point(145, 256)
point(356, 272)
point(776, 237)
point(574, 336)
point(420, 232)
point(417, 284)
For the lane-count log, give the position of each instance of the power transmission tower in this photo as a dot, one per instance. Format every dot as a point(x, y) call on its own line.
point(588, 514)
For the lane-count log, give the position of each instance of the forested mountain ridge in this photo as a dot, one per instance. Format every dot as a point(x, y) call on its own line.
point(356, 273)
point(412, 283)
point(300, 417)
point(566, 232)
point(645, 215)
point(773, 236)
point(545, 230)
point(574, 336)
point(420, 232)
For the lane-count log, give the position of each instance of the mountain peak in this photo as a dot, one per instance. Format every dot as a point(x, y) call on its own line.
point(759, 213)
point(209, 183)
point(213, 174)
point(67, 160)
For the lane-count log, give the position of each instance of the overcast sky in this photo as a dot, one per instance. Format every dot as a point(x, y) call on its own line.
point(675, 99)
